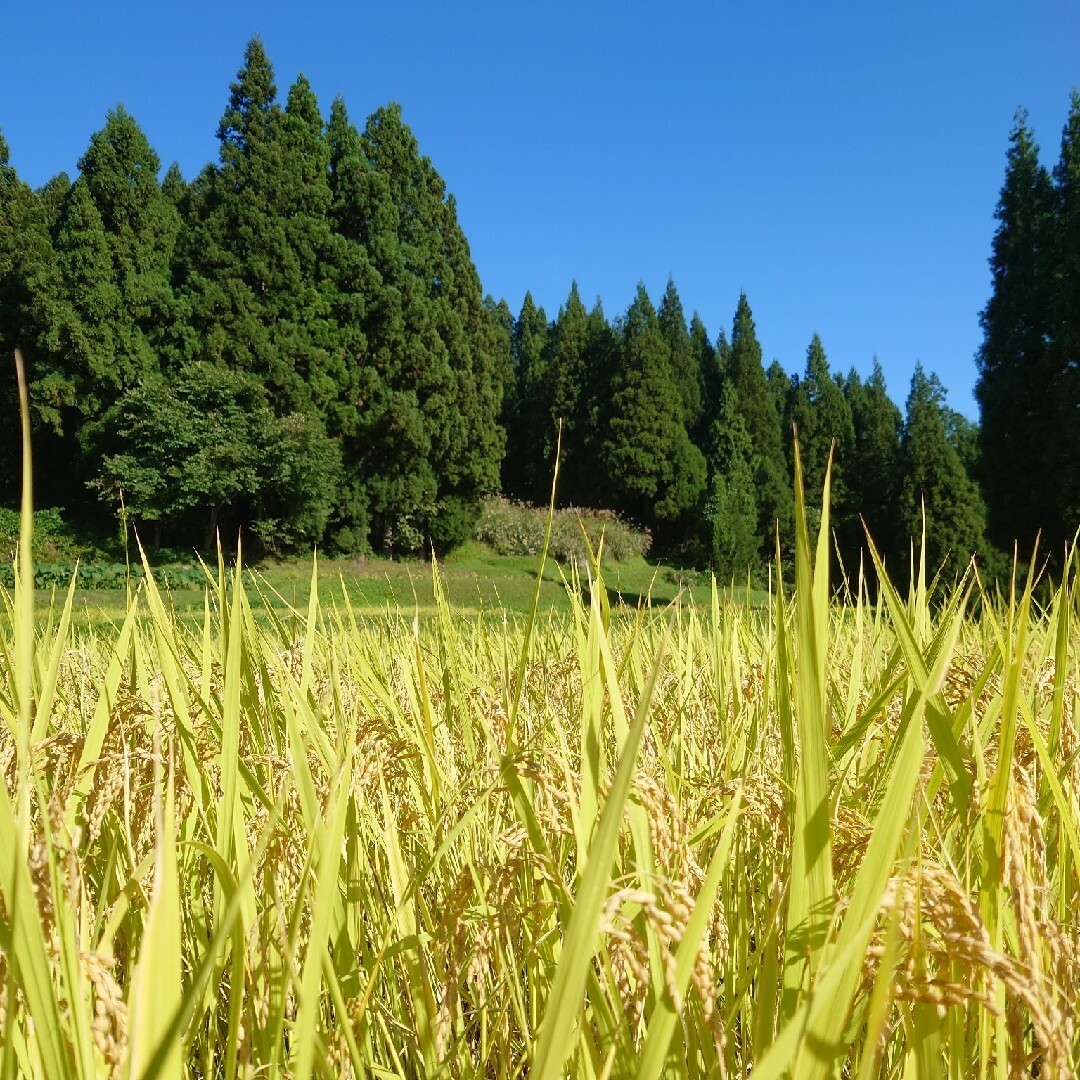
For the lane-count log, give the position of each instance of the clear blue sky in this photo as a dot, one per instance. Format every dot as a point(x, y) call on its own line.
point(839, 162)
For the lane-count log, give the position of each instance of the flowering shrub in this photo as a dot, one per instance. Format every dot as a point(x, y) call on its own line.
point(516, 529)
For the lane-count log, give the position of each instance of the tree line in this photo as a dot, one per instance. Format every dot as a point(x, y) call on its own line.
point(296, 342)
point(1029, 363)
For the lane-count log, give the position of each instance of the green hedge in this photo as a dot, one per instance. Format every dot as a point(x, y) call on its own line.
point(104, 576)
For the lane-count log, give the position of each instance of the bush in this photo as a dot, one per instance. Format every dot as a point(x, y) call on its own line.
point(54, 540)
point(105, 576)
point(516, 529)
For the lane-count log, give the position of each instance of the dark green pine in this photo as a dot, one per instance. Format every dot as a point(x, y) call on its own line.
point(657, 473)
point(78, 307)
point(566, 380)
point(707, 365)
point(685, 359)
point(933, 476)
point(823, 420)
point(1015, 387)
point(432, 415)
point(1063, 430)
point(731, 510)
point(603, 349)
point(755, 403)
point(527, 467)
point(873, 474)
point(470, 470)
point(25, 251)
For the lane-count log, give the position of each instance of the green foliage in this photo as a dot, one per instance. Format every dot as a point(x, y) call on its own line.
point(1015, 385)
point(706, 363)
point(102, 575)
point(934, 479)
point(1063, 432)
point(873, 474)
point(565, 382)
point(24, 249)
point(731, 511)
point(744, 372)
point(296, 343)
point(530, 427)
point(205, 447)
point(657, 473)
point(686, 355)
point(53, 537)
point(426, 438)
point(512, 528)
point(822, 418)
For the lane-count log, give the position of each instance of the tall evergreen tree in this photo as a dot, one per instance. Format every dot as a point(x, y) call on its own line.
point(352, 285)
point(822, 418)
point(1063, 432)
point(758, 412)
point(260, 244)
point(731, 511)
point(432, 344)
point(258, 261)
point(477, 441)
point(934, 477)
point(24, 250)
point(873, 474)
point(78, 306)
point(566, 380)
point(527, 466)
point(1016, 388)
point(657, 472)
point(685, 367)
point(601, 364)
point(782, 388)
point(502, 324)
point(709, 381)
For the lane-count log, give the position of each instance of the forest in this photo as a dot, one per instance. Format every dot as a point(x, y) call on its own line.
point(296, 344)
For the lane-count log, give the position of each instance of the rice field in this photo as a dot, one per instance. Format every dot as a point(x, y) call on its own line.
point(806, 839)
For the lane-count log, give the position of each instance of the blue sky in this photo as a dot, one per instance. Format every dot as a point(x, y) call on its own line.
point(839, 162)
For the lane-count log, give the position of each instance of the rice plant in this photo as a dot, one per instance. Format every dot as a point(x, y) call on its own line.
point(810, 839)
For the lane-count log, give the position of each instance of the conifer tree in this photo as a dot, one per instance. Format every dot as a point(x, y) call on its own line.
point(822, 419)
point(78, 307)
point(657, 473)
point(257, 259)
point(502, 326)
point(527, 466)
point(873, 474)
point(601, 363)
point(1016, 388)
point(25, 252)
point(685, 367)
point(478, 442)
point(350, 290)
point(709, 382)
point(566, 379)
point(933, 476)
point(782, 387)
point(731, 511)
point(758, 412)
point(1063, 431)
point(437, 442)
point(253, 263)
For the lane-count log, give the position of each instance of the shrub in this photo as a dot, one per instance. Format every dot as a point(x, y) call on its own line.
point(104, 575)
point(516, 529)
point(53, 537)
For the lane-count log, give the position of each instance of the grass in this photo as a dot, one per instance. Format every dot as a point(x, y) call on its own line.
point(690, 840)
point(474, 579)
